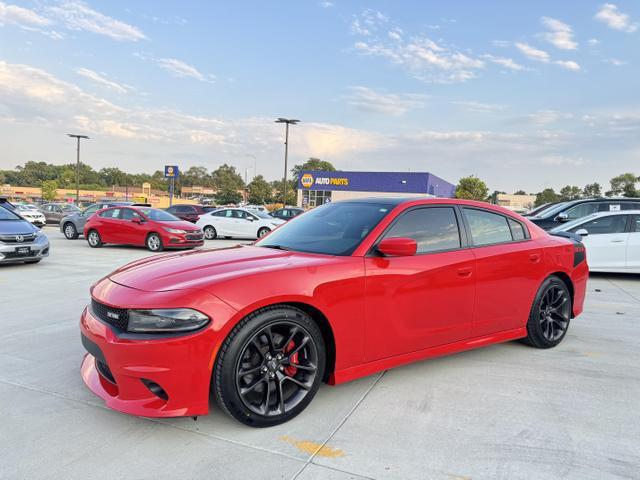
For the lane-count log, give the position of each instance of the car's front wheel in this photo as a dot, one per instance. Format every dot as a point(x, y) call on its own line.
point(550, 314)
point(94, 239)
point(154, 242)
point(210, 232)
point(70, 231)
point(270, 366)
point(263, 231)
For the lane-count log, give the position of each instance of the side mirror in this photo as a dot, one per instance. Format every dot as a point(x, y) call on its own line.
point(137, 220)
point(562, 217)
point(582, 232)
point(398, 247)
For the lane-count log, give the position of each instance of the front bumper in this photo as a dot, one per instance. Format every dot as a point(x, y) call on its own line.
point(38, 249)
point(180, 365)
point(174, 240)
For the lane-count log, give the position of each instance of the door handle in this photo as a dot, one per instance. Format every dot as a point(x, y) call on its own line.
point(535, 257)
point(465, 271)
point(617, 241)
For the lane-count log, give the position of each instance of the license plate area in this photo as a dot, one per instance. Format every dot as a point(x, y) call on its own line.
point(23, 251)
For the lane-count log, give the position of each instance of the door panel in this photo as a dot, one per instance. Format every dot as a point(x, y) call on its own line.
point(418, 302)
point(633, 246)
point(606, 243)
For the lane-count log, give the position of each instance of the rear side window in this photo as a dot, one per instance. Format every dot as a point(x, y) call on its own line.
point(434, 229)
point(517, 230)
point(604, 225)
point(487, 228)
point(582, 210)
point(631, 206)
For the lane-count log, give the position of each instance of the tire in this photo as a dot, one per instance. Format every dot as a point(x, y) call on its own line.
point(269, 367)
point(70, 231)
point(154, 242)
point(210, 233)
point(94, 239)
point(550, 314)
point(263, 231)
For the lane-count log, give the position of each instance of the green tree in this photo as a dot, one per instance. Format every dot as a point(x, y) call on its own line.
point(520, 192)
point(226, 178)
point(311, 164)
point(49, 190)
point(570, 192)
point(624, 184)
point(472, 188)
point(548, 195)
point(226, 196)
point(260, 191)
point(198, 176)
point(592, 190)
point(113, 176)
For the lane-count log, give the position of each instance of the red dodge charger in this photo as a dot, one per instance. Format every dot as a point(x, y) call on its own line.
point(143, 226)
point(345, 290)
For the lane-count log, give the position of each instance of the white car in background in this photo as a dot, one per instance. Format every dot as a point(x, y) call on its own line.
point(237, 223)
point(612, 240)
point(32, 214)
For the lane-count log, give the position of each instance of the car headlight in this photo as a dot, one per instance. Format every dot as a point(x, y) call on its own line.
point(174, 230)
point(39, 233)
point(166, 320)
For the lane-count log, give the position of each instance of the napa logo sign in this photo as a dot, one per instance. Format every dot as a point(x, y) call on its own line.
point(307, 180)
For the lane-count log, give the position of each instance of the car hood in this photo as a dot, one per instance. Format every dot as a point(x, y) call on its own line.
point(16, 227)
point(200, 268)
point(181, 225)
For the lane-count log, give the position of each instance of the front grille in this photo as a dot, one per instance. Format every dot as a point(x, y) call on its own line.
point(194, 236)
point(117, 317)
point(22, 238)
point(32, 253)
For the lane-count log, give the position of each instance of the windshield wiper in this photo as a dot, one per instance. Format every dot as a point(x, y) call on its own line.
point(277, 247)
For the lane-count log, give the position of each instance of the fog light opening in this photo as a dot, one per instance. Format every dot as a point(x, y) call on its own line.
point(156, 389)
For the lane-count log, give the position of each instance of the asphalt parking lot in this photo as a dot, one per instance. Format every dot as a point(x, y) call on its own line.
point(506, 411)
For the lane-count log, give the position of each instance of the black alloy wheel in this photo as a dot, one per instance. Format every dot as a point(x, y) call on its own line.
point(270, 368)
point(550, 315)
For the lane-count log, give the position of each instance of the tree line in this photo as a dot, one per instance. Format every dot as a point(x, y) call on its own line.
point(225, 180)
point(623, 185)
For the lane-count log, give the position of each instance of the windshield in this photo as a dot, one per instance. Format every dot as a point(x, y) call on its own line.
point(551, 210)
point(8, 214)
point(159, 215)
point(332, 229)
point(260, 214)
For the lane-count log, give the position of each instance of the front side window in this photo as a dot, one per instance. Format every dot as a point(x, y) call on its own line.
point(604, 225)
point(486, 227)
point(128, 214)
point(582, 210)
point(92, 209)
point(434, 229)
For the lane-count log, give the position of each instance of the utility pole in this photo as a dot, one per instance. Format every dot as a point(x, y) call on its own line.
point(287, 122)
point(78, 137)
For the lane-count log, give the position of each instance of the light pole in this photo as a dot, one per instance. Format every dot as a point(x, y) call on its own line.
point(78, 137)
point(287, 122)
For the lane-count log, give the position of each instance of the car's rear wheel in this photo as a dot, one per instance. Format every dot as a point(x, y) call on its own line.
point(263, 231)
point(94, 239)
point(269, 367)
point(70, 231)
point(550, 314)
point(154, 242)
point(210, 232)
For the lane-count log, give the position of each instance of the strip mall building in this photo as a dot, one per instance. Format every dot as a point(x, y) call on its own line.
point(318, 187)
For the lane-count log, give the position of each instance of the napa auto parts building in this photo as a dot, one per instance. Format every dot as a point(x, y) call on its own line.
point(318, 187)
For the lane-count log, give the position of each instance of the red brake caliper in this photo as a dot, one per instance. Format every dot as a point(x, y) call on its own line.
point(291, 371)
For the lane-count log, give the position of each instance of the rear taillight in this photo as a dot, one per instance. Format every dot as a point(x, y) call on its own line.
point(579, 254)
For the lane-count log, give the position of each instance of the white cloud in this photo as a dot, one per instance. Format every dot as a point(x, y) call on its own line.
point(593, 42)
point(102, 80)
point(326, 4)
point(368, 22)
point(479, 107)
point(615, 62)
point(533, 53)
point(568, 65)
point(504, 62)
point(394, 104)
point(77, 15)
point(563, 160)
point(178, 68)
point(560, 34)
point(614, 18)
point(13, 14)
point(546, 117)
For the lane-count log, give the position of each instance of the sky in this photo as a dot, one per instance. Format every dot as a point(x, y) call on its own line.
point(525, 95)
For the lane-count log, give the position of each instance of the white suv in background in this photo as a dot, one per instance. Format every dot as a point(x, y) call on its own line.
point(237, 223)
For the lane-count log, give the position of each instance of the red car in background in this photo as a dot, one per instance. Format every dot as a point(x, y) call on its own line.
point(190, 213)
point(346, 290)
point(144, 226)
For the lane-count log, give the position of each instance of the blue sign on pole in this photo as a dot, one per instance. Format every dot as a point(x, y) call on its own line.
point(171, 171)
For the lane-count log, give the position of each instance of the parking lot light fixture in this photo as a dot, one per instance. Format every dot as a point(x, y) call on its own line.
point(287, 122)
point(78, 137)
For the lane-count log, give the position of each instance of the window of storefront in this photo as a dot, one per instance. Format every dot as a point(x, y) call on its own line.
point(315, 198)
